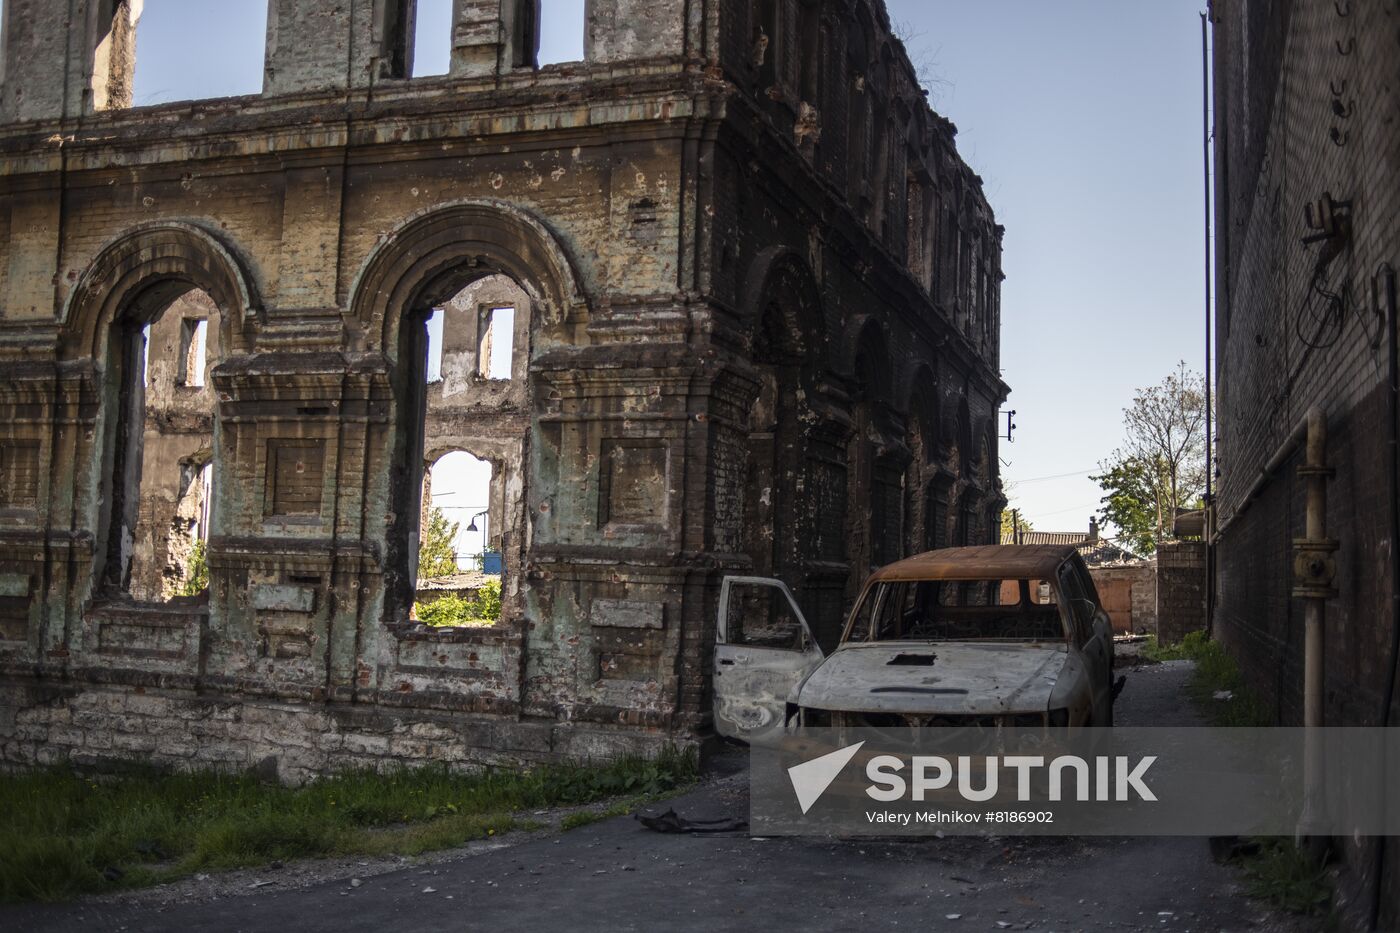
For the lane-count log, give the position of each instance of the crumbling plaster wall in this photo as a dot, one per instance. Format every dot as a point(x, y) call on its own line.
point(655, 203)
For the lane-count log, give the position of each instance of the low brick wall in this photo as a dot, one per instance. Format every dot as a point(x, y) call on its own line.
point(1139, 613)
point(1181, 590)
point(112, 726)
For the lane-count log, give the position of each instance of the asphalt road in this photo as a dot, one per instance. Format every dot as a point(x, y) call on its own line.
point(617, 875)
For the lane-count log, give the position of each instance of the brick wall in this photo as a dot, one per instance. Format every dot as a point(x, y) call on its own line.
point(654, 214)
point(1306, 94)
point(1141, 582)
point(1181, 590)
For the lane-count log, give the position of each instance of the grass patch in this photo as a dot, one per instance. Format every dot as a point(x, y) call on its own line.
point(620, 808)
point(67, 834)
point(1282, 874)
point(1216, 675)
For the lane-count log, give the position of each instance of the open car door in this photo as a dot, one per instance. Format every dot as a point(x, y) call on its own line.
point(763, 650)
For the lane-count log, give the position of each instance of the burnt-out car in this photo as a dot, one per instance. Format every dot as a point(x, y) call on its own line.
point(994, 635)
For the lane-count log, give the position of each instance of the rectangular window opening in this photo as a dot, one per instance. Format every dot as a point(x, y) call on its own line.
point(227, 61)
point(194, 351)
point(206, 501)
point(145, 373)
point(496, 344)
point(562, 28)
point(434, 367)
point(432, 38)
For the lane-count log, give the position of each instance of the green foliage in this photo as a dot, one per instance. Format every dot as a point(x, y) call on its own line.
point(587, 817)
point(1129, 502)
point(1285, 876)
point(1161, 466)
point(453, 609)
point(1217, 685)
point(437, 554)
point(66, 834)
point(196, 573)
point(488, 601)
point(1008, 525)
point(1193, 646)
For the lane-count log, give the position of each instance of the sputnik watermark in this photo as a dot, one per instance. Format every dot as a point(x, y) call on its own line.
point(1102, 778)
point(979, 779)
point(935, 773)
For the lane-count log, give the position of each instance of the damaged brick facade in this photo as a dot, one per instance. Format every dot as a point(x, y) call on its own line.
point(1307, 197)
point(756, 330)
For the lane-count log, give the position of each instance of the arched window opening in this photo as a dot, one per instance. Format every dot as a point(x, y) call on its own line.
point(461, 403)
point(226, 61)
point(921, 437)
point(812, 60)
point(874, 506)
point(562, 29)
point(459, 554)
point(765, 38)
point(858, 113)
point(159, 500)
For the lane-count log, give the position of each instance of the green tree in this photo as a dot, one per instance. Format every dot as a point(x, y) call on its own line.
point(1161, 466)
point(196, 572)
point(451, 609)
point(437, 554)
point(1009, 524)
point(1129, 503)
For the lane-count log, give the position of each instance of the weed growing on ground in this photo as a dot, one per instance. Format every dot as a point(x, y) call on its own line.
point(1287, 877)
point(1217, 685)
point(67, 833)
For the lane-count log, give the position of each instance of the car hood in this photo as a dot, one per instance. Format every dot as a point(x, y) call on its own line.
point(985, 678)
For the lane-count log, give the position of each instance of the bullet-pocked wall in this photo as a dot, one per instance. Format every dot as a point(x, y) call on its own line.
point(754, 328)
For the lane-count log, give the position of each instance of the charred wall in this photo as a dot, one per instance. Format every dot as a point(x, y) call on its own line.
point(1305, 216)
point(732, 353)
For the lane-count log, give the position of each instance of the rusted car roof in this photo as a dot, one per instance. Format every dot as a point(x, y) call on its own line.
point(986, 562)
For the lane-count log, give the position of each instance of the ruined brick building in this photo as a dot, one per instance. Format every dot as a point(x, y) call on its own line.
point(1307, 226)
point(755, 317)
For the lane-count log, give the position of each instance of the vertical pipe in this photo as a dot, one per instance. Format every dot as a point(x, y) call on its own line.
point(1314, 619)
point(1205, 191)
point(1384, 285)
point(1208, 514)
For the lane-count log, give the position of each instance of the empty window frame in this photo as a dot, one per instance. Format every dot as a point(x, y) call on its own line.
point(436, 319)
point(432, 38)
point(155, 515)
point(194, 352)
point(562, 27)
point(495, 342)
point(206, 501)
point(462, 487)
point(227, 60)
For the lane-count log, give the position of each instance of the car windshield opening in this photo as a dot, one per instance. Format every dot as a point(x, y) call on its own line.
point(958, 610)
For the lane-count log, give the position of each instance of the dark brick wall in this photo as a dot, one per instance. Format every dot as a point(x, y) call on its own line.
point(1305, 105)
point(1181, 590)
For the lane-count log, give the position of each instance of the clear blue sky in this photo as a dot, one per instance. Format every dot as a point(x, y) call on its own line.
point(1083, 118)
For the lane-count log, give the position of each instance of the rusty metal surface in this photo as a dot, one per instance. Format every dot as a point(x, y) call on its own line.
point(987, 562)
point(753, 683)
point(964, 678)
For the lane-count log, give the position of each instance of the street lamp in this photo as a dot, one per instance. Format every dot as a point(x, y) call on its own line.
point(471, 526)
point(490, 560)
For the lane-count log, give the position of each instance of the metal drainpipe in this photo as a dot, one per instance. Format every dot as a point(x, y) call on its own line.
point(1313, 570)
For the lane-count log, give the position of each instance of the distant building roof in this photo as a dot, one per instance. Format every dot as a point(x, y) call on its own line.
point(457, 582)
point(1071, 538)
point(1096, 551)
